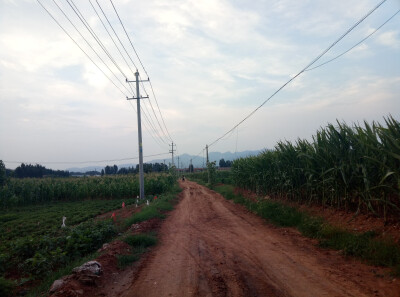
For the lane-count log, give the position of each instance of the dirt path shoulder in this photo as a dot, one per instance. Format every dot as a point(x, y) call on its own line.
point(212, 247)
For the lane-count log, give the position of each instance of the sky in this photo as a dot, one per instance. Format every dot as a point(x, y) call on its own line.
point(211, 63)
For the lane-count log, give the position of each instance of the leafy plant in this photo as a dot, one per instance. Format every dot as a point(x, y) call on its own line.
point(6, 287)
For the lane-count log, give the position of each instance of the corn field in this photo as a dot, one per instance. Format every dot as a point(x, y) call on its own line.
point(349, 167)
point(29, 191)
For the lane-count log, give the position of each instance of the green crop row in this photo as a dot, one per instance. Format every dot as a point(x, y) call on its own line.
point(37, 255)
point(353, 168)
point(30, 191)
point(47, 218)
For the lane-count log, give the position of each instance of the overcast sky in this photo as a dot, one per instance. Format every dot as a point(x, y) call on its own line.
point(210, 62)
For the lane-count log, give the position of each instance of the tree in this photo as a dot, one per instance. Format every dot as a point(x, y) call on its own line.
point(123, 170)
point(30, 170)
point(3, 176)
point(211, 172)
point(111, 169)
point(191, 168)
point(222, 163)
point(102, 172)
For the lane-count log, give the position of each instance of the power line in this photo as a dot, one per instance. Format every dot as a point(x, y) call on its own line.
point(108, 21)
point(357, 44)
point(303, 70)
point(94, 35)
point(148, 117)
point(84, 162)
point(151, 86)
point(98, 67)
point(87, 42)
point(147, 128)
point(105, 27)
point(151, 105)
point(83, 20)
point(154, 128)
point(162, 118)
point(128, 36)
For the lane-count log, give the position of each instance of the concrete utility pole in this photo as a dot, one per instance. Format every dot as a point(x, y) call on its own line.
point(138, 97)
point(178, 163)
point(172, 152)
point(207, 153)
point(208, 170)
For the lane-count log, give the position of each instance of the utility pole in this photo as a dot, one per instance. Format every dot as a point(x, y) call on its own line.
point(138, 97)
point(178, 163)
point(208, 169)
point(190, 167)
point(172, 152)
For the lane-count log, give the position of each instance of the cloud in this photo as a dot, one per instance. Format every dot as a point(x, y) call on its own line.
point(390, 38)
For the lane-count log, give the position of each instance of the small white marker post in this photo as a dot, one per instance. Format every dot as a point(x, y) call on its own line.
point(63, 222)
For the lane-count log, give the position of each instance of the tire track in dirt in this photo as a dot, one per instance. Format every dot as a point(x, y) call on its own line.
point(211, 247)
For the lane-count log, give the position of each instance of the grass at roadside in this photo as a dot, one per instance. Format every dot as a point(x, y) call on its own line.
point(365, 246)
point(139, 243)
point(155, 209)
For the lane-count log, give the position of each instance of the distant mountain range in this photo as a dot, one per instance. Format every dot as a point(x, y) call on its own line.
point(184, 160)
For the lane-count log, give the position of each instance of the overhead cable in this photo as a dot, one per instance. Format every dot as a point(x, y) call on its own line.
point(108, 21)
point(144, 69)
point(303, 70)
point(105, 27)
point(94, 35)
point(357, 44)
point(87, 42)
point(76, 43)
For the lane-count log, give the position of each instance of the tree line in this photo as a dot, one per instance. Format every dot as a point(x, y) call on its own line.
point(39, 171)
point(147, 168)
point(29, 170)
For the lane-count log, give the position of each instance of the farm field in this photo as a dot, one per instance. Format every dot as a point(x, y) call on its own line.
point(33, 242)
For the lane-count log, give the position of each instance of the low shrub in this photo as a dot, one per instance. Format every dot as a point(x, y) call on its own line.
point(6, 287)
point(144, 240)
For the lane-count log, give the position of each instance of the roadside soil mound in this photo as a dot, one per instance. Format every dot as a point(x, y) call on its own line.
point(112, 281)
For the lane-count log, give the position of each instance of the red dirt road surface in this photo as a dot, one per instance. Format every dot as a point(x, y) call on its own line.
point(212, 247)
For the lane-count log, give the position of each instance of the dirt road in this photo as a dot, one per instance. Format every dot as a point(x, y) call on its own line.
point(212, 247)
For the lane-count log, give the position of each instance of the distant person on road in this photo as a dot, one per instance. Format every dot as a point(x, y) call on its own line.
point(183, 178)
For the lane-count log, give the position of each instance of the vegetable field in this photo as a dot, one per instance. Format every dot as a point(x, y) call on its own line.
point(32, 241)
point(348, 167)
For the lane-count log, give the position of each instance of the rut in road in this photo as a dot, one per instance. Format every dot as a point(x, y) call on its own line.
point(212, 247)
